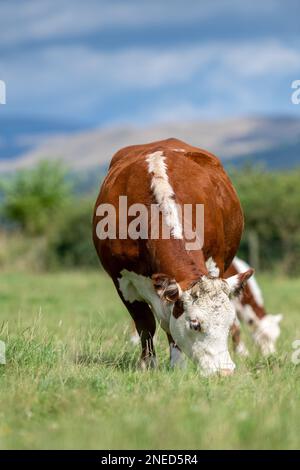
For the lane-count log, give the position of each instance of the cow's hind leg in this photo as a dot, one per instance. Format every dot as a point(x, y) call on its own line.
point(145, 325)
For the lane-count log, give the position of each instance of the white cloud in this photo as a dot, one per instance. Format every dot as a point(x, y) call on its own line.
point(77, 80)
point(51, 18)
point(48, 19)
point(152, 68)
point(258, 58)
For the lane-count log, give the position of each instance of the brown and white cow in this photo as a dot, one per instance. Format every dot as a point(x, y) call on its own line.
point(160, 277)
point(250, 309)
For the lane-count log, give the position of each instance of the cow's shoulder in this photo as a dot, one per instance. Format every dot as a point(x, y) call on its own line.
point(172, 146)
point(204, 158)
point(134, 152)
point(196, 154)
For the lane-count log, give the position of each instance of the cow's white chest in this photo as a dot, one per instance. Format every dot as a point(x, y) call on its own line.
point(135, 287)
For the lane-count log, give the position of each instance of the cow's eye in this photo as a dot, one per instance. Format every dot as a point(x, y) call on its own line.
point(195, 325)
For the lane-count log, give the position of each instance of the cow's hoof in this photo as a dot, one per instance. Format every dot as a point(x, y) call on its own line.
point(148, 363)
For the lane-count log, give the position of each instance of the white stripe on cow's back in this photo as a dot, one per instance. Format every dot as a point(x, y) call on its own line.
point(163, 192)
point(241, 266)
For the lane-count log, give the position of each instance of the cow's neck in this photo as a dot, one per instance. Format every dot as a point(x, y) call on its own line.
point(259, 310)
point(170, 257)
point(248, 299)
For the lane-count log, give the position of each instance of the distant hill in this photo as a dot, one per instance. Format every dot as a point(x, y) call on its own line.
point(274, 142)
point(20, 135)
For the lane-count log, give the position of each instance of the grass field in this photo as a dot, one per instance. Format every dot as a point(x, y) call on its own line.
point(70, 380)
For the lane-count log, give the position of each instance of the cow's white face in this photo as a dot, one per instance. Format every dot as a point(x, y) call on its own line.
point(202, 330)
point(266, 332)
point(202, 317)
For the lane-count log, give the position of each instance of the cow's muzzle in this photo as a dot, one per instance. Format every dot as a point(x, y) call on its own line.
point(226, 372)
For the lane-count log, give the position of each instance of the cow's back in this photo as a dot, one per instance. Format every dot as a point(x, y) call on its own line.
point(196, 177)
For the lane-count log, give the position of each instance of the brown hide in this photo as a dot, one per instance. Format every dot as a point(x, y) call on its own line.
point(197, 177)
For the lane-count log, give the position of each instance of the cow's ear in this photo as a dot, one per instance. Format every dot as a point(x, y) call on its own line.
point(278, 317)
point(166, 288)
point(238, 281)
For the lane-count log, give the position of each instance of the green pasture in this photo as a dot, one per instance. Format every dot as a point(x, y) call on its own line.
point(70, 379)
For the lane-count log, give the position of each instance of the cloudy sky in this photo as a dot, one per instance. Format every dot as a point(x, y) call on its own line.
point(98, 62)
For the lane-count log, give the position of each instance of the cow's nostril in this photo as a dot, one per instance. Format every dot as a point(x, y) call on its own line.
point(226, 372)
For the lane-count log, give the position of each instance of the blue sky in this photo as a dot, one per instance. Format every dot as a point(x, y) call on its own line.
point(143, 61)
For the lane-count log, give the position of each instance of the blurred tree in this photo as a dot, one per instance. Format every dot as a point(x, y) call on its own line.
point(40, 202)
point(70, 241)
point(32, 197)
point(271, 205)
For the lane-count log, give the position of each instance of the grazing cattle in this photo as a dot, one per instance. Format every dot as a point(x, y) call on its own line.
point(264, 328)
point(250, 309)
point(166, 277)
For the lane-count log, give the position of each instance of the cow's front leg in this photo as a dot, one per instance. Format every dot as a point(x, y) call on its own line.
point(238, 345)
point(177, 358)
point(145, 325)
